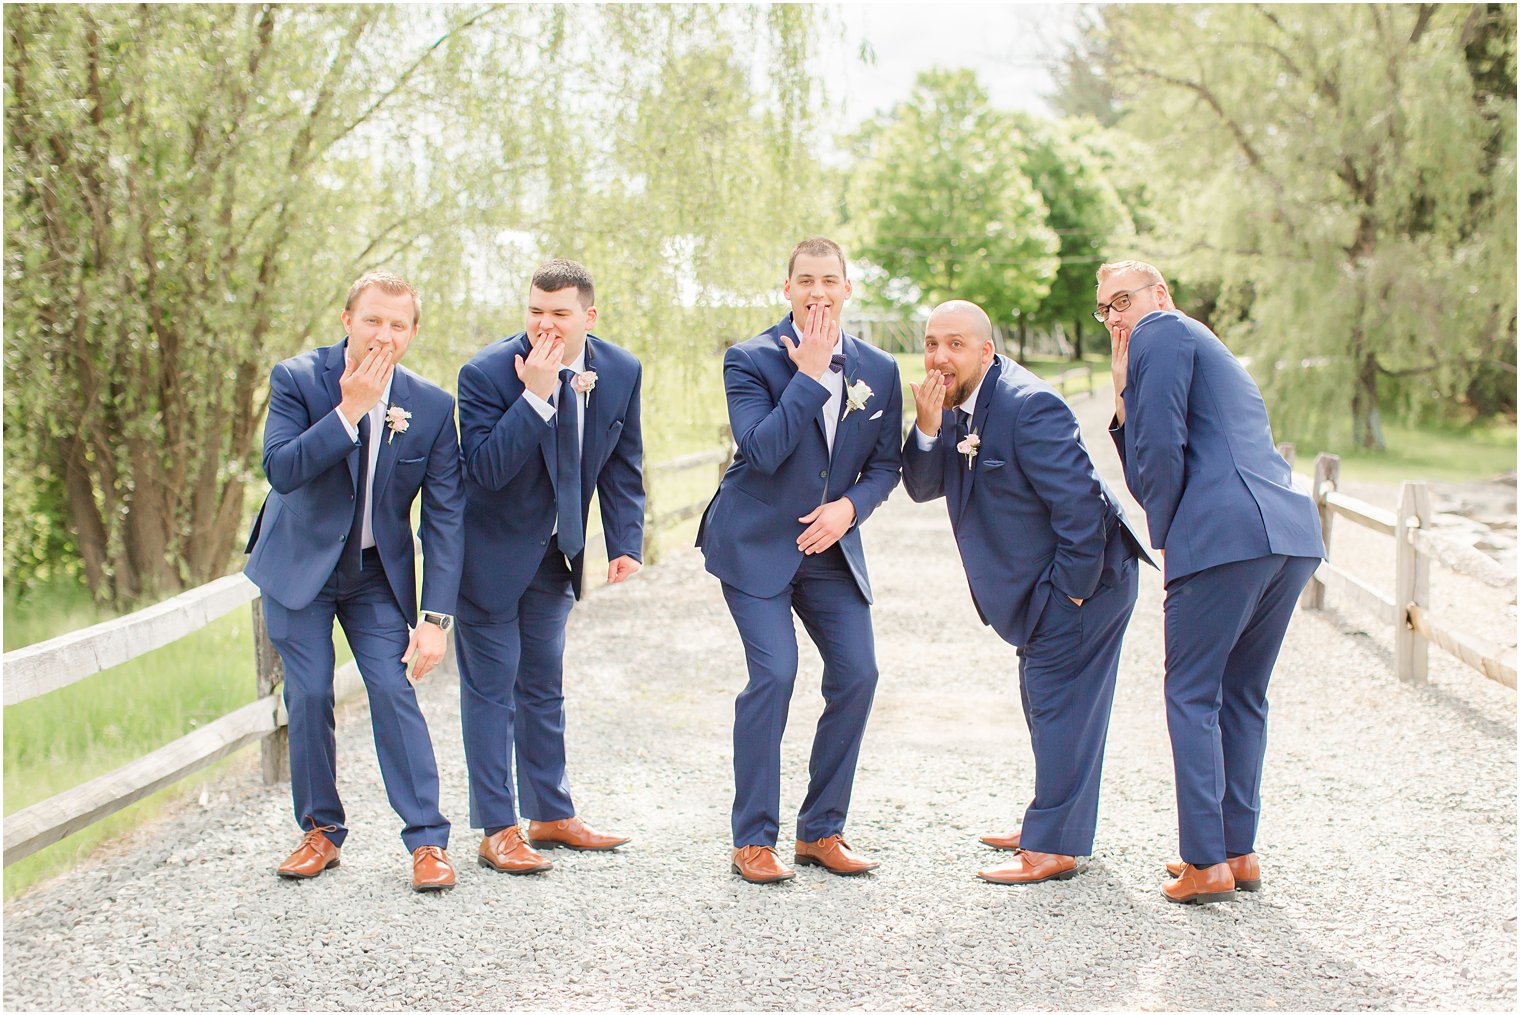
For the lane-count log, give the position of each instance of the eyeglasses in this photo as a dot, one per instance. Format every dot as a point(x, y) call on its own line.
point(1120, 303)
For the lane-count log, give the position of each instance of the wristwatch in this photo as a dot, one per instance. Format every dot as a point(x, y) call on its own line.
point(443, 621)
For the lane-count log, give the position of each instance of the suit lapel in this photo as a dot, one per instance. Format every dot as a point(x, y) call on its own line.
point(332, 371)
point(984, 397)
point(546, 445)
point(849, 422)
point(391, 443)
point(594, 427)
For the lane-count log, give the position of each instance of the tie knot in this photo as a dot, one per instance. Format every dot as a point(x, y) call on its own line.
point(962, 418)
point(566, 375)
point(836, 362)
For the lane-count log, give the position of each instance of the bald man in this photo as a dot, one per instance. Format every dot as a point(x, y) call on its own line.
point(1050, 560)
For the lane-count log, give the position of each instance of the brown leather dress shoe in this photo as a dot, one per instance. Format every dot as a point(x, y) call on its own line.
point(315, 854)
point(507, 851)
point(760, 865)
point(1009, 841)
point(834, 855)
point(1201, 885)
point(431, 871)
point(1246, 869)
point(572, 833)
point(1030, 868)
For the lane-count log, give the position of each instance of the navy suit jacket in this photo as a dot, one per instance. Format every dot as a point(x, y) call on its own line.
point(782, 469)
point(509, 475)
point(1031, 516)
point(1198, 453)
point(313, 468)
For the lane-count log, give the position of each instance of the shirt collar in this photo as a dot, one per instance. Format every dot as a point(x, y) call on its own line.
point(970, 403)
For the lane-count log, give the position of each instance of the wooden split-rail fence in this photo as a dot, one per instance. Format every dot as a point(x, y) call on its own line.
point(50, 665)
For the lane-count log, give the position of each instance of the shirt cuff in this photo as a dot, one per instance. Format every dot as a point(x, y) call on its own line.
point(353, 431)
point(925, 442)
point(543, 408)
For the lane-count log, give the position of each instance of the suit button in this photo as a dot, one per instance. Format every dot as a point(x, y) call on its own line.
point(343, 538)
point(824, 474)
point(543, 542)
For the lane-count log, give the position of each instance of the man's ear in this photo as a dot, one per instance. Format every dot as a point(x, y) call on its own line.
point(590, 317)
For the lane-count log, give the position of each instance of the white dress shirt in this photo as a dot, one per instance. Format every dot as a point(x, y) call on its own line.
point(376, 425)
point(834, 383)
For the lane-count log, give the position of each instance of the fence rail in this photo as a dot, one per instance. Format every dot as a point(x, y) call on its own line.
point(58, 662)
point(1408, 610)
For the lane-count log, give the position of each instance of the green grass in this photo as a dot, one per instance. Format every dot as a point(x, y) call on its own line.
point(911, 365)
point(66, 737)
point(1430, 452)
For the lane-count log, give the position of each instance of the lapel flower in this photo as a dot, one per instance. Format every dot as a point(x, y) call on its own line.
point(857, 396)
point(583, 382)
point(396, 421)
point(969, 446)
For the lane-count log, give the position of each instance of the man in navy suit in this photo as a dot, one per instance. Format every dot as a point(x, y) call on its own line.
point(1049, 558)
point(546, 417)
point(816, 415)
point(352, 438)
point(1240, 543)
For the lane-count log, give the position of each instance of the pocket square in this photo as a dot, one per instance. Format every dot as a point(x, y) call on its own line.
point(876, 415)
point(411, 461)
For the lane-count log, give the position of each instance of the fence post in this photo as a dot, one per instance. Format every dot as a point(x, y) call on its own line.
point(1288, 451)
point(1327, 473)
point(651, 536)
point(726, 438)
point(274, 750)
point(1411, 584)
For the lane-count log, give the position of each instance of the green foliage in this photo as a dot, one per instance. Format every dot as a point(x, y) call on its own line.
point(941, 204)
point(1345, 176)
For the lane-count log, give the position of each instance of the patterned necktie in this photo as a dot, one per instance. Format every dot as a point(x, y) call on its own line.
point(567, 469)
point(350, 562)
point(836, 363)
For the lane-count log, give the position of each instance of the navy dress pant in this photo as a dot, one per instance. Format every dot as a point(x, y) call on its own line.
point(1224, 627)
point(511, 692)
point(1066, 683)
point(826, 598)
point(363, 603)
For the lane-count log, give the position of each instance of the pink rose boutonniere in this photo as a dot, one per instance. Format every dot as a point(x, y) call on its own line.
point(583, 382)
point(396, 421)
point(969, 446)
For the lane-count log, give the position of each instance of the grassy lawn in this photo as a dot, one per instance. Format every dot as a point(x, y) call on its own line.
point(1432, 453)
point(61, 739)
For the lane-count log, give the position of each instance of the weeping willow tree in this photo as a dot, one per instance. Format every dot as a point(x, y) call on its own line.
point(189, 189)
point(1346, 175)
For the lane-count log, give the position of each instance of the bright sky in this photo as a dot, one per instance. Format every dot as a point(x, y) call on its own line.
point(1010, 46)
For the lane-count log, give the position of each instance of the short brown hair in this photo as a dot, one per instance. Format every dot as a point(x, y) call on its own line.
point(1148, 271)
point(388, 283)
point(562, 273)
point(817, 246)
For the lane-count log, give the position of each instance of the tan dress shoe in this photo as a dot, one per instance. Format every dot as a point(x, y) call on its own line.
point(1201, 885)
point(834, 855)
point(315, 854)
point(572, 833)
point(431, 870)
point(760, 865)
point(1246, 870)
point(509, 852)
point(1029, 868)
point(1009, 841)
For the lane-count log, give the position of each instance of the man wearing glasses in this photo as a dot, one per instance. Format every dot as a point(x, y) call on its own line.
point(1240, 543)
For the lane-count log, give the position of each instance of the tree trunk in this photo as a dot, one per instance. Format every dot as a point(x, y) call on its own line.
point(1366, 417)
point(1076, 339)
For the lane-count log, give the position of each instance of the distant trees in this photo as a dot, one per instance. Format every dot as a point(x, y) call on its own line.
point(1346, 175)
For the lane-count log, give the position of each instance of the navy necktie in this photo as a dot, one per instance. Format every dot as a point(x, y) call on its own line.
point(962, 424)
point(350, 562)
point(836, 363)
point(567, 469)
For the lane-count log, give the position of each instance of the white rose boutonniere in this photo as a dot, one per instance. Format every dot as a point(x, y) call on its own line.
point(857, 396)
point(584, 381)
point(969, 447)
point(396, 421)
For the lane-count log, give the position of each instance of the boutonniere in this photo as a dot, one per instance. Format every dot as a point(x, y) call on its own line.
point(857, 396)
point(583, 382)
point(969, 446)
point(396, 421)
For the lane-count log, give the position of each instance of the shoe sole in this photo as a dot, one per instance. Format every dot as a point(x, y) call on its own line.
point(1005, 849)
point(488, 865)
point(762, 881)
point(431, 888)
point(1058, 876)
point(293, 876)
point(1202, 899)
point(547, 844)
point(807, 861)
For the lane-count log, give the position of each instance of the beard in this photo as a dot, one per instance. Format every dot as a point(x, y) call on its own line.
point(962, 391)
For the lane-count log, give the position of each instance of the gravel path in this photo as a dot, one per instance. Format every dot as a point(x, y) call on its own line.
point(1387, 843)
